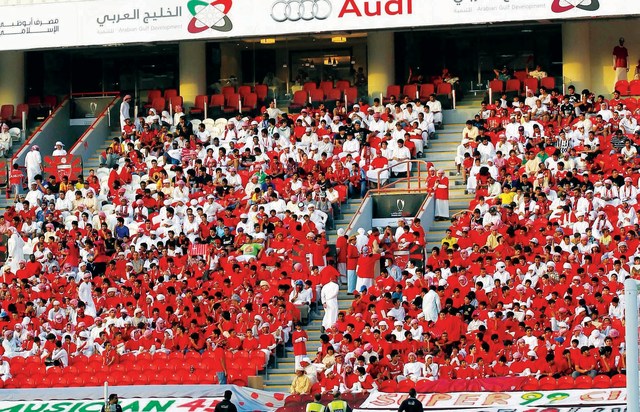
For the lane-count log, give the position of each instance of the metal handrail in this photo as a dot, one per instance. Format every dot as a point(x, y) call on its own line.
point(95, 122)
point(27, 142)
point(407, 179)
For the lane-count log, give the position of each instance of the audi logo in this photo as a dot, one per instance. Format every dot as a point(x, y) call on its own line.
point(295, 10)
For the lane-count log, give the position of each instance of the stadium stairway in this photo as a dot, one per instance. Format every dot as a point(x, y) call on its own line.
point(441, 153)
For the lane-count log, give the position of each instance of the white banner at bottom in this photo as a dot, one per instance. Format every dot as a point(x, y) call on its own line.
point(501, 400)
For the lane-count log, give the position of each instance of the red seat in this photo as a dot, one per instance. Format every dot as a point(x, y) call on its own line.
point(325, 86)
point(548, 383)
point(352, 95)
point(583, 382)
point(513, 85)
point(334, 95)
point(531, 84)
point(444, 88)
point(228, 90)
point(565, 382)
point(619, 381)
point(151, 96)
point(299, 100)
point(262, 90)
point(217, 101)
point(410, 90)
point(405, 385)
point(497, 86)
point(243, 91)
point(232, 103)
point(531, 384)
point(175, 101)
point(7, 111)
point(50, 102)
point(199, 104)
point(548, 82)
point(250, 103)
point(34, 101)
point(169, 93)
point(426, 90)
point(159, 104)
point(623, 87)
point(317, 95)
point(308, 86)
point(343, 84)
point(392, 90)
point(21, 109)
point(520, 75)
point(634, 87)
point(389, 386)
point(601, 382)
point(631, 103)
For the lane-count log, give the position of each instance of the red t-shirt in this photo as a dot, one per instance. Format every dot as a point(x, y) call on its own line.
point(621, 56)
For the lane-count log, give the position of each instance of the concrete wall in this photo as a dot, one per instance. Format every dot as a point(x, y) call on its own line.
point(587, 52)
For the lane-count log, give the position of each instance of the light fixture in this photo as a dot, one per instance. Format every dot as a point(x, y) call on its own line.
point(268, 40)
point(338, 39)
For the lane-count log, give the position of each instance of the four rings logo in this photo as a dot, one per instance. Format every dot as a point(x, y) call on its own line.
point(295, 10)
point(209, 16)
point(560, 6)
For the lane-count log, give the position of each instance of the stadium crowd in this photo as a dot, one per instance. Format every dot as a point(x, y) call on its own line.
point(528, 282)
point(193, 239)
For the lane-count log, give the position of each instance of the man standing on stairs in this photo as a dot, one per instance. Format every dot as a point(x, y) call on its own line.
point(329, 296)
point(124, 110)
point(441, 190)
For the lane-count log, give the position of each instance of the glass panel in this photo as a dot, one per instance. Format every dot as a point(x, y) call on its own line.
point(320, 65)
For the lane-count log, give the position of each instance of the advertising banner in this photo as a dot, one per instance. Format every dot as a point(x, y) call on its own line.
point(501, 400)
point(388, 209)
point(84, 23)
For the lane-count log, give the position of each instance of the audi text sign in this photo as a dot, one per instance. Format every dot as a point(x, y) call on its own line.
point(89, 23)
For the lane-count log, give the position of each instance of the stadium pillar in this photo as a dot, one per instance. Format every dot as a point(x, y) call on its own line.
point(576, 55)
point(380, 62)
point(12, 77)
point(193, 74)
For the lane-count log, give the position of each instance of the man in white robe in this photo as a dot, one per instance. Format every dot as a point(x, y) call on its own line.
point(15, 249)
point(33, 163)
point(84, 294)
point(329, 296)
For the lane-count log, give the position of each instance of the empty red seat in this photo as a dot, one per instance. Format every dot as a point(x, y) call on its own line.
point(317, 95)
point(228, 90)
point(531, 384)
point(175, 101)
point(169, 93)
point(151, 96)
point(262, 90)
point(634, 87)
point(583, 382)
point(250, 103)
point(7, 111)
point(333, 95)
point(405, 385)
point(548, 82)
point(243, 91)
point(200, 102)
point(392, 90)
point(158, 104)
point(497, 86)
point(410, 90)
point(232, 103)
point(619, 381)
point(308, 86)
point(352, 94)
point(343, 84)
point(565, 382)
point(444, 88)
point(217, 100)
point(548, 383)
point(512, 85)
point(623, 87)
point(601, 382)
point(326, 85)
point(427, 90)
point(531, 84)
point(299, 100)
